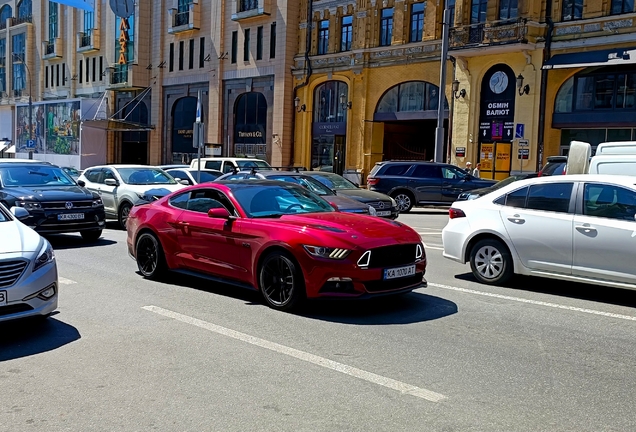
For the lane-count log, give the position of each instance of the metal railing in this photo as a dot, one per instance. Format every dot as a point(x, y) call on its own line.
point(246, 5)
point(119, 75)
point(21, 20)
point(182, 18)
point(85, 39)
point(489, 33)
point(49, 48)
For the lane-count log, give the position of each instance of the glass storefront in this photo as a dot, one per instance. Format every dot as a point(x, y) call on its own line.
point(328, 149)
point(594, 137)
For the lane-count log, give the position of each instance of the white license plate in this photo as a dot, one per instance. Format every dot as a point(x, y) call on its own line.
point(383, 213)
point(70, 216)
point(399, 272)
point(3, 298)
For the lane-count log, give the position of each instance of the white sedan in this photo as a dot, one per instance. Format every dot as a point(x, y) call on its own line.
point(576, 227)
point(28, 272)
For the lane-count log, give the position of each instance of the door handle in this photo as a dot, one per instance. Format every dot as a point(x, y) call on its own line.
point(184, 223)
point(586, 228)
point(516, 219)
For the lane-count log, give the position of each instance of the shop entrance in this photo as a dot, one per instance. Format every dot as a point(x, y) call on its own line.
point(134, 145)
point(411, 140)
point(329, 153)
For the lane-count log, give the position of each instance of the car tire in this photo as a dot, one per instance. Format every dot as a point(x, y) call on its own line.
point(91, 236)
point(404, 200)
point(149, 256)
point(491, 262)
point(122, 215)
point(281, 281)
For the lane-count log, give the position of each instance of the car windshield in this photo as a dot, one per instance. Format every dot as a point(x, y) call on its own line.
point(145, 176)
point(4, 217)
point(34, 176)
point(252, 164)
point(265, 201)
point(71, 171)
point(334, 181)
point(504, 182)
point(313, 185)
point(206, 176)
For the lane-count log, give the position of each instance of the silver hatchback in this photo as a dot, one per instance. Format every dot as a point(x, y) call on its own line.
point(28, 272)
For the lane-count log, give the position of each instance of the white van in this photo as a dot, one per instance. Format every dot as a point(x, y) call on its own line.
point(228, 164)
point(614, 158)
point(615, 148)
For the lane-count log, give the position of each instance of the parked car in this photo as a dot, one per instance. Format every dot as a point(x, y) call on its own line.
point(28, 272)
point(123, 186)
point(344, 204)
point(189, 176)
point(576, 227)
point(72, 172)
point(384, 205)
point(278, 238)
point(229, 164)
point(418, 183)
point(555, 165)
point(54, 201)
point(476, 193)
point(173, 166)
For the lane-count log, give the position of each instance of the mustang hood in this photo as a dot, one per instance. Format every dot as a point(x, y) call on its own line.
point(53, 193)
point(17, 237)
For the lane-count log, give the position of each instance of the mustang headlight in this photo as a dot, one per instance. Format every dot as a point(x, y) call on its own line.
point(97, 202)
point(45, 256)
point(29, 205)
point(326, 252)
point(372, 211)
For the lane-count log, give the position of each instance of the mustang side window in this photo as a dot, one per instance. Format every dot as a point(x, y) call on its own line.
point(180, 201)
point(208, 197)
point(553, 197)
point(609, 201)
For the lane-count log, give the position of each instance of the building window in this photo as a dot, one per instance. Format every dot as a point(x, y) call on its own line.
point(234, 46)
point(323, 37)
point(64, 74)
point(3, 63)
point(46, 77)
point(101, 67)
point(508, 9)
point(171, 58)
point(246, 45)
point(191, 55)
point(410, 96)
point(24, 11)
point(417, 21)
point(57, 75)
point(272, 41)
point(346, 33)
point(246, 5)
point(181, 54)
point(94, 76)
point(52, 76)
point(5, 14)
point(478, 11)
point(53, 20)
point(572, 10)
point(88, 70)
point(451, 8)
point(259, 43)
point(81, 72)
point(386, 27)
point(183, 13)
point(88, 29)
point(327, 106)
point(201, 52)
point(622, 6)
point(19, 68)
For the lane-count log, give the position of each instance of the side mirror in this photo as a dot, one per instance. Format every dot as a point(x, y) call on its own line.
point(111, 182)
point(81, 183)
point(184, 182)
point(218, 213)
point(334, 205)
point(20, 213)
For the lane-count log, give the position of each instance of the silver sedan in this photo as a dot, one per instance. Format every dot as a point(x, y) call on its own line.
point(28, 272)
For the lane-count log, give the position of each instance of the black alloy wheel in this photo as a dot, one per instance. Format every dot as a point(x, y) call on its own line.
point(149, 255)
point(281, 281)
point(124, 211)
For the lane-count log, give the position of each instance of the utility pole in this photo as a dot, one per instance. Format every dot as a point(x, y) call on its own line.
point(198, 135)
point(439, 131)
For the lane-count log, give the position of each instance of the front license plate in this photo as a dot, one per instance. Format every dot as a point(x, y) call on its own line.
point(399, 272)
point(70, 216)
point(383, 213)
point(3, 298)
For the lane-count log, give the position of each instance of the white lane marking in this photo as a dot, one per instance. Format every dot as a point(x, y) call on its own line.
point(64, 281)
point(304, 356)
point(535, 302)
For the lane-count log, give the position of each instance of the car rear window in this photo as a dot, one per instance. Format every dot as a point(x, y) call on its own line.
point(396, 170)
point(553, 168)
point(375, 169)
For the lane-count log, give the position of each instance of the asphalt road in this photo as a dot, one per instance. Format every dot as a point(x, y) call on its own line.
point(127, 354)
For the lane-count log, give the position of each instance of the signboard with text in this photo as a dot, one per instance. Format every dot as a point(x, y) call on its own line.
point(497, 109)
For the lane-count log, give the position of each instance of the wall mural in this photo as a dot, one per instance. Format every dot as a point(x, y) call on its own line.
point(55, 129)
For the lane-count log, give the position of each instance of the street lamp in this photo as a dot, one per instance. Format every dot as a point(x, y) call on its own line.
point(343, 102)
point(298, 106)
point(456, 92)
point(520, 87)
point(18, 58)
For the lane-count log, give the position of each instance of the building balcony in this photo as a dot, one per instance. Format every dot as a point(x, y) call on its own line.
point(52, 49)
point(187, 20)
point(246, 9)
point(88, 41)
point(488, 34)
point(22, 20)
point(128, 77)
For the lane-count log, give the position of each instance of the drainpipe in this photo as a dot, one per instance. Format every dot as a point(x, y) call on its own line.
point(451, 115)
point(547, 53)
point(308, 73)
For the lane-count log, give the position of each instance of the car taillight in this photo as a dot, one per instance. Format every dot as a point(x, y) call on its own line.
point(455, 213)
point(372, 181)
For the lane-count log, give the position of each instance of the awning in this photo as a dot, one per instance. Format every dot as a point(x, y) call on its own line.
point(114, 125)
point(10, 150)
point(612, 57)
point(4, 145)
point(86, 5)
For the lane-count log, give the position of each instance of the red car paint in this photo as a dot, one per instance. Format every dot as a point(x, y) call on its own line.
point(231, 249)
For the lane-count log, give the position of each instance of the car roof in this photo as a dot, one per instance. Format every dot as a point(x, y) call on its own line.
point(26, 161)
point(232, 184)
point(123, 166)
point(628, 181)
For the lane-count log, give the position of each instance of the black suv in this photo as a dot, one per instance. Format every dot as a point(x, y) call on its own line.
point(421, 183)
point(55, 202)
point(556, 166)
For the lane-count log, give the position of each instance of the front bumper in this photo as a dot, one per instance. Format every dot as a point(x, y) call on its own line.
point(22, 297)
point(47, 222)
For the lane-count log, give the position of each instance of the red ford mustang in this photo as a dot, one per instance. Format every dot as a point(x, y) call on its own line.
point(275, 237)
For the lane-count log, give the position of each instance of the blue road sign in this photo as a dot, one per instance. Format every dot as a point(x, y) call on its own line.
point(519, 130)
point(30, 144)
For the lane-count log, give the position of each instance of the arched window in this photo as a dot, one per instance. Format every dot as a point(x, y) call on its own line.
point(5, 13)
point(563, 103)
point(330, 101)
point(250, 124)
point(413, 96)
point(184, 114)
point(24, 9)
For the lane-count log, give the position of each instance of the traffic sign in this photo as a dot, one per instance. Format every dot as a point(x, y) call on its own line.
point(460, 152)
point(523, 154)
point(523, 143)
point(30, 144)
point(519, 130)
